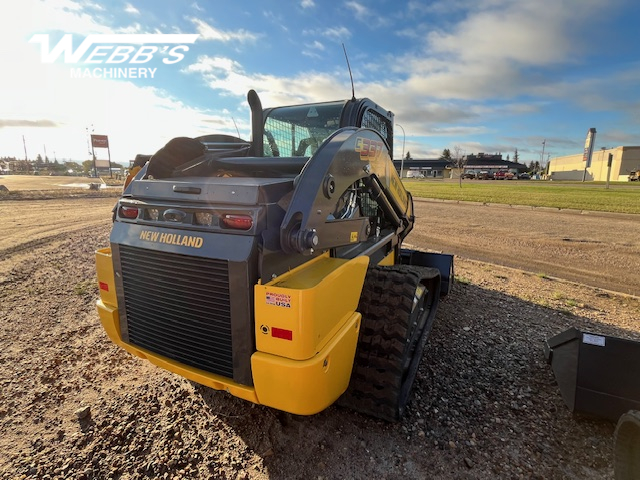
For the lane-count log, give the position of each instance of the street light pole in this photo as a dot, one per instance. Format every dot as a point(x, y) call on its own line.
point(403, 139)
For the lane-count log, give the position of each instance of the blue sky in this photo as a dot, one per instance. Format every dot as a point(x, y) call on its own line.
point(484, 75)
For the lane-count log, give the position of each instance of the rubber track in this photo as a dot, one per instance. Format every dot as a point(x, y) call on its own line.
point(376, 386)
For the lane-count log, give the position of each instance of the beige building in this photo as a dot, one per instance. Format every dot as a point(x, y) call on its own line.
point(571, 167)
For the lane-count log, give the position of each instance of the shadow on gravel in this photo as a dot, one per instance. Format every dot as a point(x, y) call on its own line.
point(485, 405)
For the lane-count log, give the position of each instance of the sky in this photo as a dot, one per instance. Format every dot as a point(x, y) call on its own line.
point(486, 76)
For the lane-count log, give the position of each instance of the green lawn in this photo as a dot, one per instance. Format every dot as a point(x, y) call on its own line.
point(620, 197)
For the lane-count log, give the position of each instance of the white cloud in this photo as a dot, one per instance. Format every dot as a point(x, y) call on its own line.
point(311, 54)
point(29, 16)
point(459, 78)
point(276, 19)
point(337, 33)
point(205, 64)
point(207, 32)
point(488, 54)
point(367, 16)
point(316, 45)
point(358, 8)
point(42, 102)
point(131, 9)
point(511, 35)
point(9, 122)
point(137, 119)
point(229, 77)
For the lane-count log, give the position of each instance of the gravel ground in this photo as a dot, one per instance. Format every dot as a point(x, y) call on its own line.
point(486, 404)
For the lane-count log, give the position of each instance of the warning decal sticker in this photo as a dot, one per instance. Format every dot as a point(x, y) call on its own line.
point(278, 299)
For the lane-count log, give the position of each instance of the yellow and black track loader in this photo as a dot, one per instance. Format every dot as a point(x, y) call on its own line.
point(273, 268)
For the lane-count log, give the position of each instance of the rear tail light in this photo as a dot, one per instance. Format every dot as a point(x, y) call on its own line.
point(237, 222)
point(154, 214)
point(204, 218)
point(128, 212)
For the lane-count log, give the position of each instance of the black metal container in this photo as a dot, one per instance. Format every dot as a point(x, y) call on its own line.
point(597, 374)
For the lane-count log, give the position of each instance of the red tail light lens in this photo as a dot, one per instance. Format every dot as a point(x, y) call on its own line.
point(237, 222)
point(128, 212)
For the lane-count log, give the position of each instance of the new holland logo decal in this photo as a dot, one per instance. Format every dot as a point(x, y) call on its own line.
point(172, 239)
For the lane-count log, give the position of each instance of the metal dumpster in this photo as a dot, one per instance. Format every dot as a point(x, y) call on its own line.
point(597, 374)
point(627, 447)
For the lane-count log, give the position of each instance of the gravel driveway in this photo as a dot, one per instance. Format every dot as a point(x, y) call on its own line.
point(486, 405)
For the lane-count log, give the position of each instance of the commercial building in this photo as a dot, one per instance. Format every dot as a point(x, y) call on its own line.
point(624, 160)
point(446, 168)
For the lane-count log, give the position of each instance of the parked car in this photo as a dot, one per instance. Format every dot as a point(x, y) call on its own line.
point(485, 175)
point(524, 176)
point(501, 175)
point(470, 175)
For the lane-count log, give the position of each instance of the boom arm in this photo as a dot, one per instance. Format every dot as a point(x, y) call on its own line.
point(349, 156)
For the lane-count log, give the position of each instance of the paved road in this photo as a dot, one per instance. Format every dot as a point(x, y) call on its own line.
point(597, 249)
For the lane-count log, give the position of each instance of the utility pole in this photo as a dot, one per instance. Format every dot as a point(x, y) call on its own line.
point(88, 140)
point(24, 142)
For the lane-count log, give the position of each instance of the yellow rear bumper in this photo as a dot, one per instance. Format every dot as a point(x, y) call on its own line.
point(111, 323)
point(299, 387)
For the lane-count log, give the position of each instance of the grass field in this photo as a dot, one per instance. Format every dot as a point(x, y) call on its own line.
point(620, 198)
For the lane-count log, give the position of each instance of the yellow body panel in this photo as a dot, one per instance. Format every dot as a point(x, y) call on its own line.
point(309, 386)
point(312, 302)
point(104, 267)
point(301, 387)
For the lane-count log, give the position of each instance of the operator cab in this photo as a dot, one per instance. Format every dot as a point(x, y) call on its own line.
point(283, 139)
point(297, 131)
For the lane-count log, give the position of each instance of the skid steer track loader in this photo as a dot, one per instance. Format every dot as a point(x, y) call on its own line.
point(273, 268)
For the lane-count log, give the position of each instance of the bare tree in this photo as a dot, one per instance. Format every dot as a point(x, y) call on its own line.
point(458, 160)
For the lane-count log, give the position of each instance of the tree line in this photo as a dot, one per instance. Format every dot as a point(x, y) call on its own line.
point(15, 165)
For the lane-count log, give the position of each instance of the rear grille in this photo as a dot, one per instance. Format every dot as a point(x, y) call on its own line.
point(178, 306)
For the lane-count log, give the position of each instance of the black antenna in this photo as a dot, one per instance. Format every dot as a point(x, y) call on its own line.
point(353, 90)
point(234, 123)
